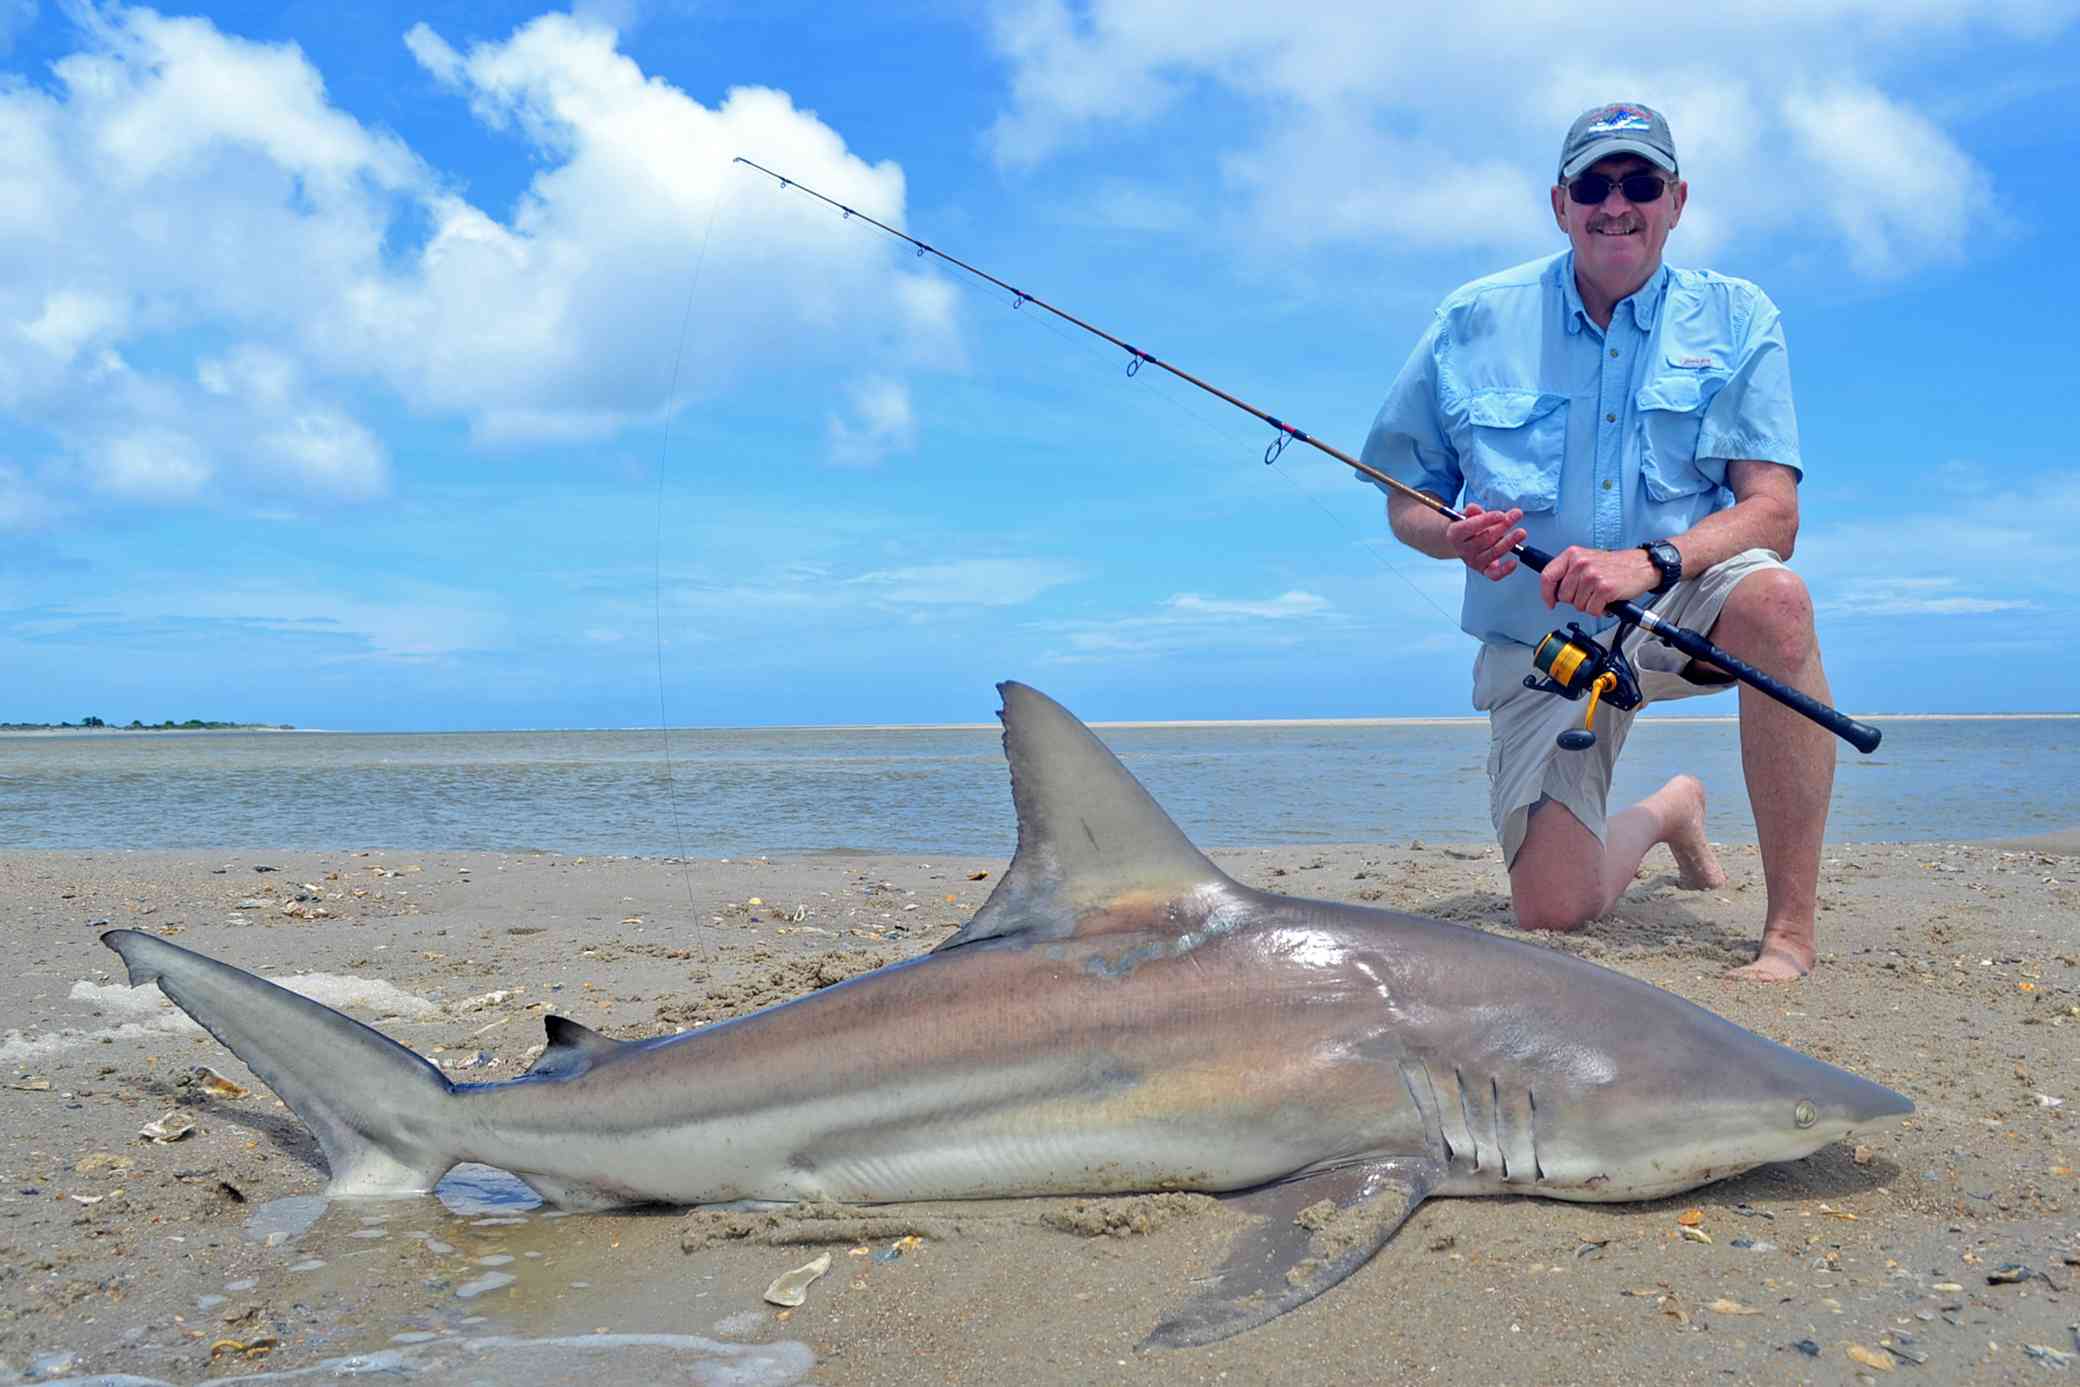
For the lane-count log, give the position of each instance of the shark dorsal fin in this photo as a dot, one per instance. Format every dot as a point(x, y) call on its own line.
point(1089, 837)
point(572, 1049)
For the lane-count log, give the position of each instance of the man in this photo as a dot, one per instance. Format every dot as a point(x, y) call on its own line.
point(1636, 422)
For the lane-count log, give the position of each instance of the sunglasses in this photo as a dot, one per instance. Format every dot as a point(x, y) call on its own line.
point(1592, 188)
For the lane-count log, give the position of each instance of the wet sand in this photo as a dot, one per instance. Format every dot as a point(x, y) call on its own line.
point(1950, 972)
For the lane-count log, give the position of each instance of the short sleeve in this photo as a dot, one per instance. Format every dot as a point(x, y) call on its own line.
point(1752, 415)
point(1408, 441)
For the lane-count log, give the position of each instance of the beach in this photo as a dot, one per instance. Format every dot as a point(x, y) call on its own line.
point(1949, 971)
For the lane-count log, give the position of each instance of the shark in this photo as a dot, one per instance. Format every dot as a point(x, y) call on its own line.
point(1119, 1016)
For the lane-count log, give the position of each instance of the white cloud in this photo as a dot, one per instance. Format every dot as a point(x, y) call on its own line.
point(1898, 190)
point(1977, 552)
point(1361, 123)
point(1891, 596)
point(963, 582)
point(418, 623)
point(1188, 621)
point(1285, 605)
point(175, 184)
point(880, 423)
point(562, 321)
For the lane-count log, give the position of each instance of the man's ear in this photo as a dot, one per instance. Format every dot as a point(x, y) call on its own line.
point(1680, 191)
point(1560, 206)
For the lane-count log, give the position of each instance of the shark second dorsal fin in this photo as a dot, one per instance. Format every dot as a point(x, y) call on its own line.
point(1089, 837)
point(572, 1050)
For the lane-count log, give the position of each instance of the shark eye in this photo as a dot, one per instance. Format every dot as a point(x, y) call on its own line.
point(1803, 1114)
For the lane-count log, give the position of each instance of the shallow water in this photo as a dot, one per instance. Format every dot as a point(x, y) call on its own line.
point(483, 1284)
point(935, 790)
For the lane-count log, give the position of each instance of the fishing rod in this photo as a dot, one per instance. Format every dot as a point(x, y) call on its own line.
point(1571, 662)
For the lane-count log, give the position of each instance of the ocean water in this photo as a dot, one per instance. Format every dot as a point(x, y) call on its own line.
point(722, 793)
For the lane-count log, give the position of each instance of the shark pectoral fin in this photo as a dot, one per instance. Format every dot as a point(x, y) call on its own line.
point(572, 1049)
point(1312, 1233)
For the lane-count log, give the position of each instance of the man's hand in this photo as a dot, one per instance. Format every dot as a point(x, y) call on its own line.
point(1484, 538)
point(1591, 579)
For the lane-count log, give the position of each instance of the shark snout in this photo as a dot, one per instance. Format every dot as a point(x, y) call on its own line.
point(1857, 1105)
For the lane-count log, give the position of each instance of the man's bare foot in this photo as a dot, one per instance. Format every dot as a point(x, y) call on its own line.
point(1781, 959)
point(1682, 807)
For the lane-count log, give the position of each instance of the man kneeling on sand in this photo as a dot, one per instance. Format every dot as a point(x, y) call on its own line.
point(1636, 421)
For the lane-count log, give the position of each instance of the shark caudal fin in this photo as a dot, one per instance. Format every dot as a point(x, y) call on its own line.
point(372, 1104)
point(1089, 837)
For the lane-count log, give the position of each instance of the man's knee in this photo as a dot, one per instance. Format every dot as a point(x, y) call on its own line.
point(1554, 882)
point(1550, 903)
point(1768, 620)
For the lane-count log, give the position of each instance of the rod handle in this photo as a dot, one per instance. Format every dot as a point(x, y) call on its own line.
point(1861, 735)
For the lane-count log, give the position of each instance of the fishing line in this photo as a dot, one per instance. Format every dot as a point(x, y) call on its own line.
point(1571, 663)
point(671, 411)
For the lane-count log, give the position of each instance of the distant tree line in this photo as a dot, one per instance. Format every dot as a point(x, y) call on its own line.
point(169, 725)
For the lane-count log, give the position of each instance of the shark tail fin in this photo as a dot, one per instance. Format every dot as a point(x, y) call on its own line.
point(373, 1105)
point(1089, 836)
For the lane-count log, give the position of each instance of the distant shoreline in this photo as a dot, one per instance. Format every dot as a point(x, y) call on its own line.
point(60, 731)
point(1131, 724)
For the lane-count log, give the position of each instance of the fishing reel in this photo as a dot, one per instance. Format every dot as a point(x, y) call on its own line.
point(1574, 663)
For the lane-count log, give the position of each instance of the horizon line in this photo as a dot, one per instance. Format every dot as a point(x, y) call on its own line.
point(1130, 724)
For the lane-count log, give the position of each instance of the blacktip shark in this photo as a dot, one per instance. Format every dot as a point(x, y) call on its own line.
point(1120, 1016)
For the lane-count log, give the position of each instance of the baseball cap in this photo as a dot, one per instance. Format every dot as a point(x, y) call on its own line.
point(1623, 127)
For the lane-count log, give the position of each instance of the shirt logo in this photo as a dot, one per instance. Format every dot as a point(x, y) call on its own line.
point(1703, 362)
point(1620, 118)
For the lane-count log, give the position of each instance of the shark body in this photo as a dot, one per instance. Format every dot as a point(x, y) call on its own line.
point(1120, 1016)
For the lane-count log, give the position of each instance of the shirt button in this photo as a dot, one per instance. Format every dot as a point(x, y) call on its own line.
point(1614, 353)
point(1610, 418)
point(1606, 483)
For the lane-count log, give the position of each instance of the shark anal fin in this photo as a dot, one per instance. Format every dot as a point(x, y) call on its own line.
point(572, 1049)
point(1311, 1234)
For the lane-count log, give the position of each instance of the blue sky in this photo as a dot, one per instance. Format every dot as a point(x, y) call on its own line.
point(338, 346)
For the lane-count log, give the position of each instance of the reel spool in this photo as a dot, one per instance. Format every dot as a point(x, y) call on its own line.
point(1572, 663)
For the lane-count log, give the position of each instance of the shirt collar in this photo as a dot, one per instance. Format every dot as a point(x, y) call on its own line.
point(1645, 301)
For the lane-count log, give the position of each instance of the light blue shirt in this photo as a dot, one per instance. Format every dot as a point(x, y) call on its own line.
point(1607, 437)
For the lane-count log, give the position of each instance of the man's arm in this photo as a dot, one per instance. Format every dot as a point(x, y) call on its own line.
point(1764, 515)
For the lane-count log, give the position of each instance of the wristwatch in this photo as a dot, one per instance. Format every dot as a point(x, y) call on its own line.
point(1667, 561)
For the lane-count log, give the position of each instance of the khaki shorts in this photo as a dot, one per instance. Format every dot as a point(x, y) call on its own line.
point(1525, 765)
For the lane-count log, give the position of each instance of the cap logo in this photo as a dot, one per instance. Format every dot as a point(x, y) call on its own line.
point(1613, 118)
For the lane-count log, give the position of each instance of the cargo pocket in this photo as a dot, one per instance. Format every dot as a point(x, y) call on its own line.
point(1517, 441)
point(1671, 412)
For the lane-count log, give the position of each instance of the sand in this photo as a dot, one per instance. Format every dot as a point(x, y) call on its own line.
point(1949, 971)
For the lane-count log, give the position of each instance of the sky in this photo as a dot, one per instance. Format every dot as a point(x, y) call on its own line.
point(429, 365)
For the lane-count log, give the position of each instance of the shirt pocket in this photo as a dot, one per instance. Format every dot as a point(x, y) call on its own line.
point(1671, 414)
point(1517, 440)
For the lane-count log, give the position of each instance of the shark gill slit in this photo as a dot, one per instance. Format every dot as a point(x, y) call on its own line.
point(1538, 1165)
point(1473, 1133)
point(1426, 1106)
point(1495, 1116)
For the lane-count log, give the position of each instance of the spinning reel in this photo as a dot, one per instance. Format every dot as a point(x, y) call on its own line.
point(1574, 663)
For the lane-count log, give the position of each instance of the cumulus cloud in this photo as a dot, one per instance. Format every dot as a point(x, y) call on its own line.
point(1406, 125)
point(216, 272)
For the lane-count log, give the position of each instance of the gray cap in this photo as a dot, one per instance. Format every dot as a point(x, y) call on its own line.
point(1623, 127)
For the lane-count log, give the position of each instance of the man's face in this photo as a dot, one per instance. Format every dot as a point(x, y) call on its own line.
point(1617, 244)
